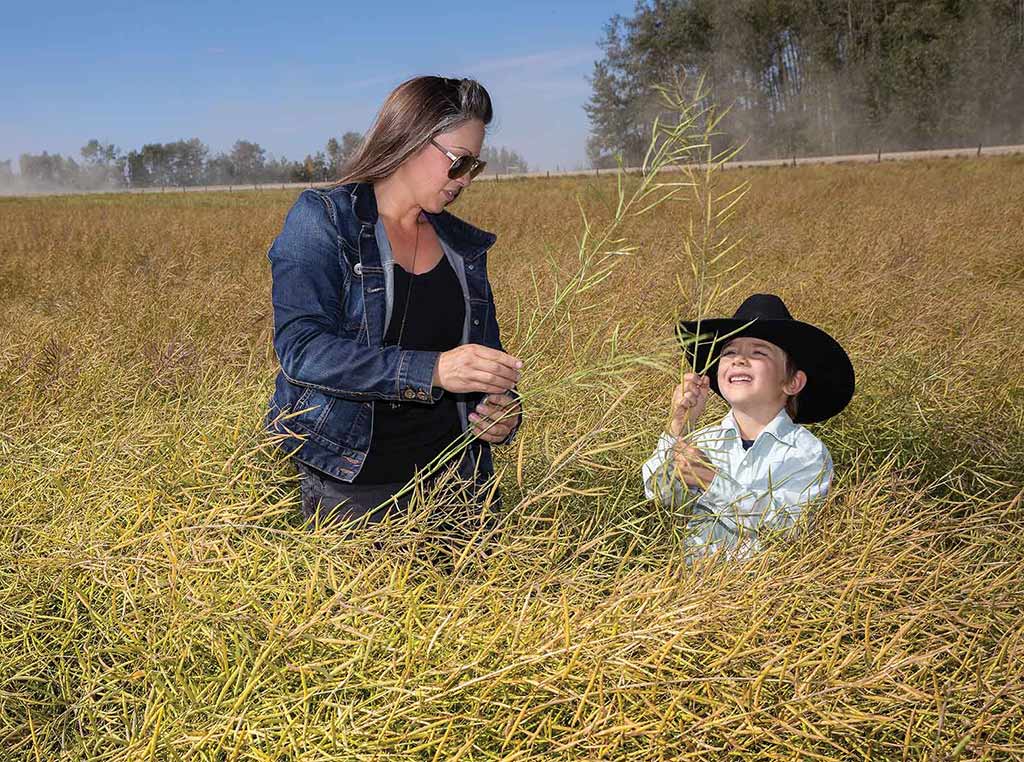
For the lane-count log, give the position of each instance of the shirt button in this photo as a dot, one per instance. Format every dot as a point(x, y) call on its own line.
point(470, 267)
point(410, 394)
point(476, 321)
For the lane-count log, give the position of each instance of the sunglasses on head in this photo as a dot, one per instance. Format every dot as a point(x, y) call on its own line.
point(461, 165)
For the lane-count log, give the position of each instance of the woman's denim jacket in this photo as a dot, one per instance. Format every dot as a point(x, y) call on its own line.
point(332, 295)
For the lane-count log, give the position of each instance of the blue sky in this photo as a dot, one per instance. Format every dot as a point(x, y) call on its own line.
point(288, 75)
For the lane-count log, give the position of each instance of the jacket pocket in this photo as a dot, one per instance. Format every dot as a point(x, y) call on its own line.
point(353, 313)
point(479, 320)
point(312, 409)
point(340, 425)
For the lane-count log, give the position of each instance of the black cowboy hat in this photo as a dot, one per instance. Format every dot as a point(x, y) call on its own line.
point(830, 377)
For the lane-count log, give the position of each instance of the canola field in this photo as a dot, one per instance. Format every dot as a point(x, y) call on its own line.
point(160, 598)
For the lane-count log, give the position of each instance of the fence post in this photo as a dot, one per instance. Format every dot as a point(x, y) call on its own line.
point(979, 150)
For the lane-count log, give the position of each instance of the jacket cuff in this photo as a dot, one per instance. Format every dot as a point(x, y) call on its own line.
point(416, 377)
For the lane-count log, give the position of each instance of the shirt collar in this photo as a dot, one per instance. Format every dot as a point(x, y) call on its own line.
point(781, 427)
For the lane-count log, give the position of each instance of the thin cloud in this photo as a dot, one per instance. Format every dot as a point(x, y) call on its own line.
point(549, 60)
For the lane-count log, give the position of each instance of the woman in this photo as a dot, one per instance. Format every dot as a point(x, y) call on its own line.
point(384, 318)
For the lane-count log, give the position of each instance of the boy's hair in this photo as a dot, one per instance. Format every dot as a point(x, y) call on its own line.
point(793, 400)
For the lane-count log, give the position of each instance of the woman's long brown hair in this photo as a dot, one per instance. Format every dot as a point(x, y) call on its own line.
point(414, 112)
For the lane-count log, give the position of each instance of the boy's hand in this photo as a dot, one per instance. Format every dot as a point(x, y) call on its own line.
point(692, 466)
point(688, 401)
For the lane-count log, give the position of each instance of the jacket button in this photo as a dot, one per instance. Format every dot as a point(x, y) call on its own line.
point(421, 394)
point(476, 321)
point(470, 267)
point(358, 269)
point(410, 394)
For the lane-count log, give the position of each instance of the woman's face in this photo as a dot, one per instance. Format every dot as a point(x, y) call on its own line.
point(426, 171)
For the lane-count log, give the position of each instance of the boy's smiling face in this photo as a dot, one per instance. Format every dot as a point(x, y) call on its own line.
point(752, 376)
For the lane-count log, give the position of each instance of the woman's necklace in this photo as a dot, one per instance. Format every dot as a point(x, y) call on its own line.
point(408, 295)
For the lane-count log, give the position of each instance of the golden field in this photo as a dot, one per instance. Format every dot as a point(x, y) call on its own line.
point(160, 598)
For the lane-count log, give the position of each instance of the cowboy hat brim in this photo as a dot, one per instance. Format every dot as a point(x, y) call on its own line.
point(830, 375)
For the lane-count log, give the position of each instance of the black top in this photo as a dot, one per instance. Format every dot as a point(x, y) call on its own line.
point(747, 443)
point(409, 435)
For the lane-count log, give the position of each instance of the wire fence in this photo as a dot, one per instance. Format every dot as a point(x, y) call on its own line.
point(861, 158)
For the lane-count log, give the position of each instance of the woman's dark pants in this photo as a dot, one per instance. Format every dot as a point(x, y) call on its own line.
point(327, 500)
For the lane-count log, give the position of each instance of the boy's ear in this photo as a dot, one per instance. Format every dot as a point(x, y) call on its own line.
point(796, 383)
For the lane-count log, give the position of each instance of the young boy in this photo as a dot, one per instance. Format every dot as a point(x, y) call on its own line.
point(757, 469)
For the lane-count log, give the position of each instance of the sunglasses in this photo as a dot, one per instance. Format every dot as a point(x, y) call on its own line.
point(461, 165)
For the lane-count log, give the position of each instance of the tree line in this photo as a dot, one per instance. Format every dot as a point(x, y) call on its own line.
point(189, 163)
point(805, 77)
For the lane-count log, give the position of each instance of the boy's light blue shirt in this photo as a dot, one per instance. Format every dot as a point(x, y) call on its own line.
point(763, 489)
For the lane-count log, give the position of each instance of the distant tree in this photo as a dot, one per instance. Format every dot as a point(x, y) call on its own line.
point(600, 155)
point(153, 166)
point(350, 143)
point(280, 170)
point(220, 170)
point(313, 169)
point(97, 154)
point(503, 160)
point(340, 152)
point(188, 161)
point(50, 171)
point(136, 172)
point(93, 154)
point(103, 165)
point(614, 127)
point(248, 160)
point(333, 156)
point(818, 76)
point(9, 181)
point(181, 163)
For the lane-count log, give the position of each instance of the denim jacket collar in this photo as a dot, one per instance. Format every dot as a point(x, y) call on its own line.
point(465, 239)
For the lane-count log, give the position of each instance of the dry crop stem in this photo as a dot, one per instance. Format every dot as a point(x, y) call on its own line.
point(706, 243)
point(159, 599)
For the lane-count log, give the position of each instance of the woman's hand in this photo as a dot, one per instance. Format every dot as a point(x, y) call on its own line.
point(692, 466)
point(476, 368)
point(688, 401)
point(496, 417)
